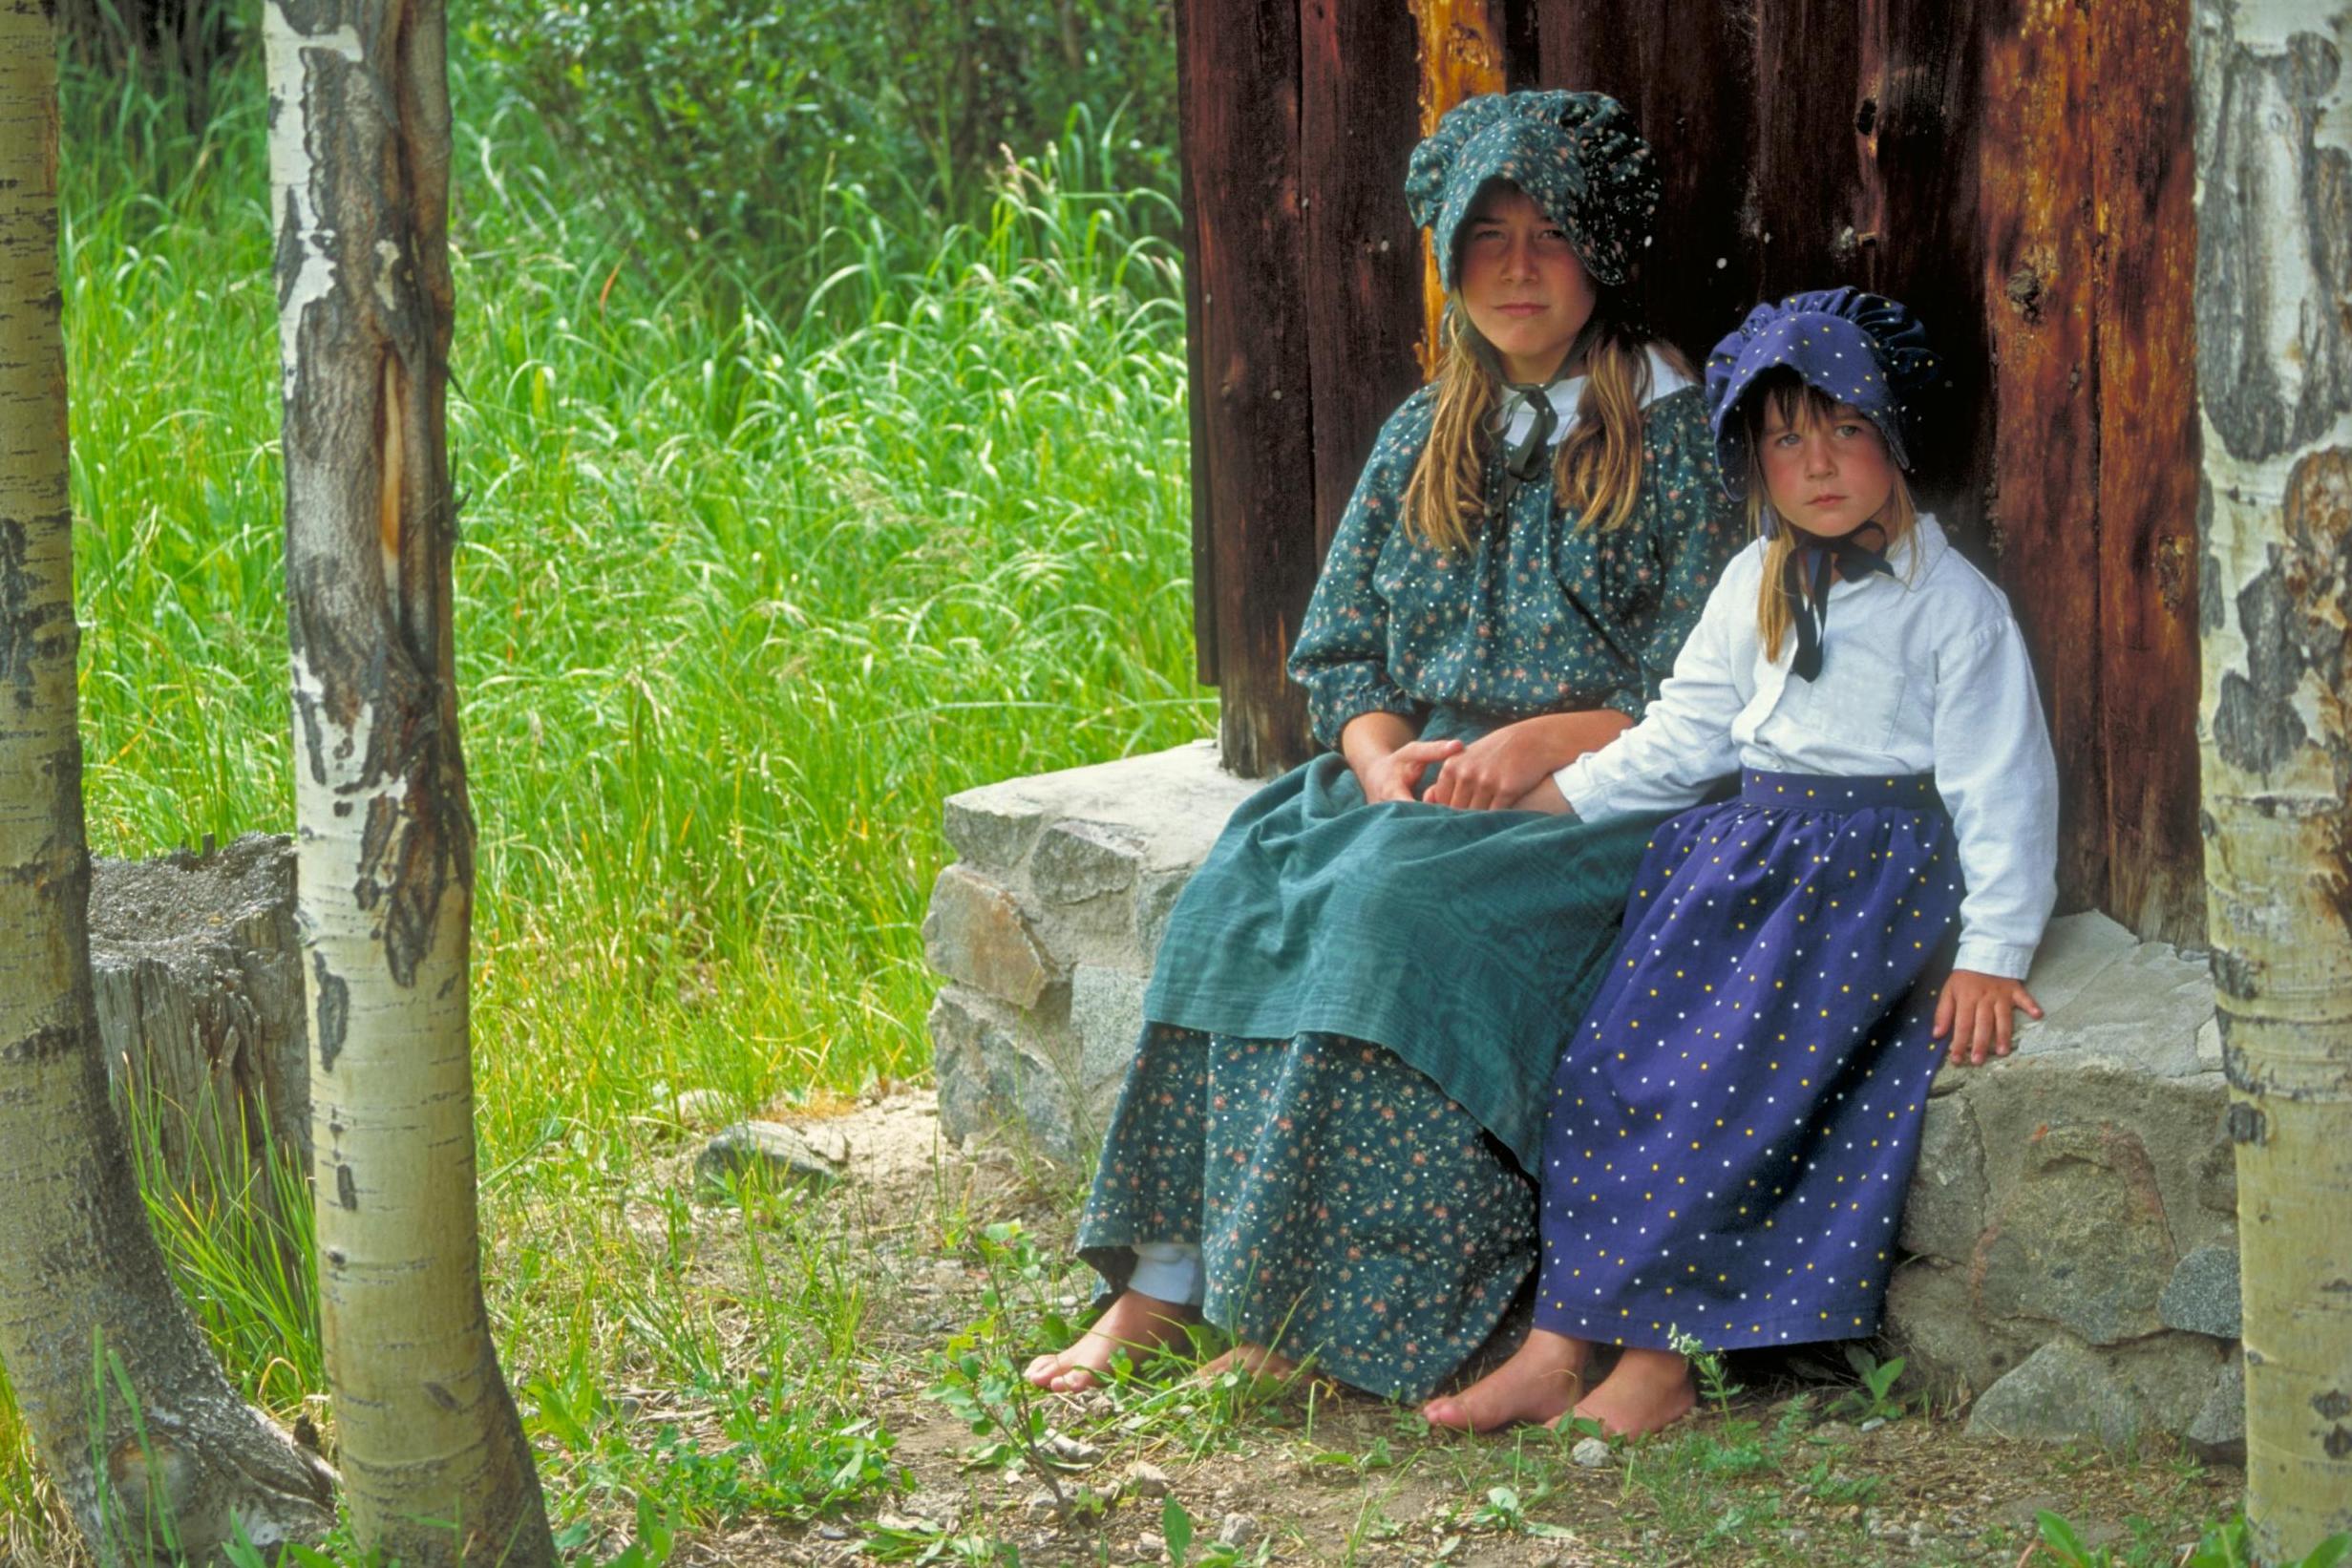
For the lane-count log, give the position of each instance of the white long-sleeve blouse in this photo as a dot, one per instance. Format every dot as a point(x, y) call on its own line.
point(1923, 672)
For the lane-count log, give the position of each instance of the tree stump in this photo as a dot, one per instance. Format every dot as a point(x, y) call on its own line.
point(198, 977)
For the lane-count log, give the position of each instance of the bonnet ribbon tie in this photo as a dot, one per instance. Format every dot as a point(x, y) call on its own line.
point(1853, 560)
point(1524, 464)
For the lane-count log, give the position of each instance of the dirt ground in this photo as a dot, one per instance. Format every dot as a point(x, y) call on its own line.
point(1781, 1474)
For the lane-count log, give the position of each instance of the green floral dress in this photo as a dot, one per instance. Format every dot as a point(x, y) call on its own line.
point(1356, 1010)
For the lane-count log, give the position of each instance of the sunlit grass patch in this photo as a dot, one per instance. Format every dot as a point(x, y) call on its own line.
point(748, 582)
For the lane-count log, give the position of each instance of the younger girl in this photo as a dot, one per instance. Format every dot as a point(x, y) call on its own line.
point(1732, 1129)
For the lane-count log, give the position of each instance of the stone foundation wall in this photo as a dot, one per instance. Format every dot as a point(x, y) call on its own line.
point(1044, 931)
point(2072, 1226)
point(2071, 1241)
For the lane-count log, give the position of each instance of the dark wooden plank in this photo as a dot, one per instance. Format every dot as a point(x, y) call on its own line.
point(2149, 461)
point(1254, 451)
point(1197, 408)
point(1811, 179)
point(1918, 115)
point(2034, 202)
point(1359, 92)
point(1686, 70)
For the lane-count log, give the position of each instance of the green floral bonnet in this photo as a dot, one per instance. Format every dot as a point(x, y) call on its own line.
point(1576, 154)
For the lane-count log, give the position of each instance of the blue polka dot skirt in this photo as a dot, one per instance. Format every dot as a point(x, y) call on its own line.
point(1733, 1127)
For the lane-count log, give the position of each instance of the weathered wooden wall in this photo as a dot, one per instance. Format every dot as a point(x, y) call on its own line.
point(2017, 170)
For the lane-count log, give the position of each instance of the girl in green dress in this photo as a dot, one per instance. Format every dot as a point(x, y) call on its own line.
point(1322, 1144)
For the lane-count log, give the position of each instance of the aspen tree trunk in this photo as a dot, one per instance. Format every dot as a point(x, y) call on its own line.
point(435, 1467)
point(2273, 312)
point(80, 1274)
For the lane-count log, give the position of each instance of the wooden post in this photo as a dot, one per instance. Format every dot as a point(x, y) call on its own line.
point(1253, 446)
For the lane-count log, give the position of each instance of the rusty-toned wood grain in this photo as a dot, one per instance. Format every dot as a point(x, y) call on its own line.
point(1253, 449)
point(1359, 120)
point(1460, 44)
point(2148, 462)
point(1686, 70)
point(2017, 170)
point(2037, 299)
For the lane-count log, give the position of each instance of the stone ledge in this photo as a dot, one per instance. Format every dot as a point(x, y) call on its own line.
point(2073, 1205)
point(1047, 927)
point(2070, 1234)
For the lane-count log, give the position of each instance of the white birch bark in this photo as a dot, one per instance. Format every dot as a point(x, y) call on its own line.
point(78, 1268)
point(2274, 147)
point(434, 1464)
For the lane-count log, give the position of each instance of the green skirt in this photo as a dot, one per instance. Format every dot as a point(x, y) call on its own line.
point(1345, 1209)
point(1468, 942)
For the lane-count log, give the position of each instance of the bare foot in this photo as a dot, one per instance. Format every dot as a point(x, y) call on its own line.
point(1647, 1390)
point(1264, 1368)
point(1254, 1359)
point(1134, 1323)
point(1539, 1382)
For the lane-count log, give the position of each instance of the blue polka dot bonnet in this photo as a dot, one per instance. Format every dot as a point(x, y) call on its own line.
point(1860, 349)
point(1576, 154)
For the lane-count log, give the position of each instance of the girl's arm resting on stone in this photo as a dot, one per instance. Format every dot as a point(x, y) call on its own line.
point(1501, 768)
point(1976, 1011)
point(2000, 782)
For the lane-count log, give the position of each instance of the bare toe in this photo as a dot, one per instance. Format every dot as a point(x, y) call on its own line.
point(1134, 1324)
point(1538, 1384)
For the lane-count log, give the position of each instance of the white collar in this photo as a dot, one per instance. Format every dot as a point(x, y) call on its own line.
point(1516, 418)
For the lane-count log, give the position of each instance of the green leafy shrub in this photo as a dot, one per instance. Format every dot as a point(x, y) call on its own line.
point(743, 128)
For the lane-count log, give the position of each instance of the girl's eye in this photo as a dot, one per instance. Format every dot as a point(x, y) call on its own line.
point(1848, 430)
point(1785, 439)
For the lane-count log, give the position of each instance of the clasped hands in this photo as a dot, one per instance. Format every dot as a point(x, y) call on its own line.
point(1508, 768)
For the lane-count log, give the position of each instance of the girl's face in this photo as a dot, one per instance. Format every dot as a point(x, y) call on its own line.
point(1521, 283)
point(1829, 473)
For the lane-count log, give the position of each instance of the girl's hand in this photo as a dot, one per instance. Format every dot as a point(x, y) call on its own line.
point(1391, 776)
point(1501, 768)
point(1974, 1010)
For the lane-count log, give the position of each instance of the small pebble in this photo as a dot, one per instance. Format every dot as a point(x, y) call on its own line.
point(832, 1531)
point(1873, 1423)
point(1068, 1449)
point(1039, 1502)
point(1150, 1548)
point(1236, 1529)
point(1146, 1480)
point(1591, 1453)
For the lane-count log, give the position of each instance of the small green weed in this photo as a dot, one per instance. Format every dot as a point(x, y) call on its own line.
point(1176, 1529)
point(1504, 1511)
point(923, 1542)
point(1715, 1385)
point(1874, 1400)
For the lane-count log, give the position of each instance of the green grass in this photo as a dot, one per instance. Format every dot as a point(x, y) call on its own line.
point(748, 584)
